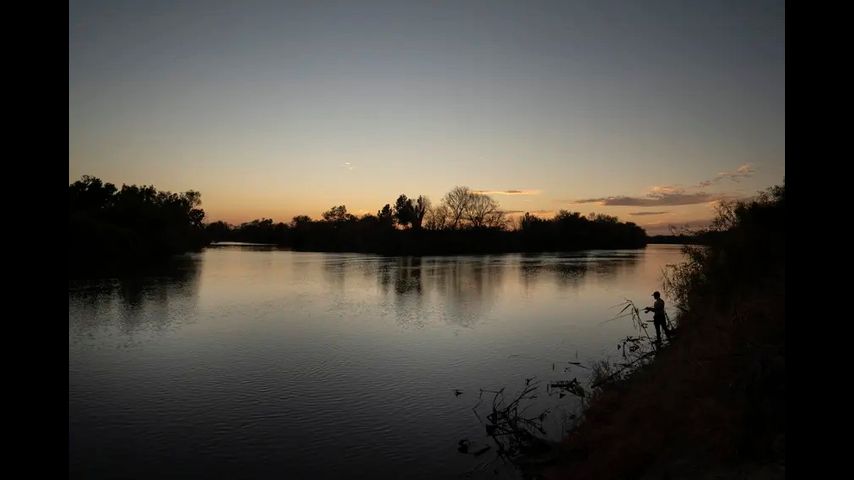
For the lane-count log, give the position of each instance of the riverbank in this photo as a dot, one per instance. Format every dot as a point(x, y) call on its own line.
point(713, 401)
point(712, 404)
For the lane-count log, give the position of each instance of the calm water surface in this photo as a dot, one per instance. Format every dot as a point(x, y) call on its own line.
point(252, 362)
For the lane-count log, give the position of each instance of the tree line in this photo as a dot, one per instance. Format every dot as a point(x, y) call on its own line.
point(464, 221)
point(111, 226)
point(115, 227)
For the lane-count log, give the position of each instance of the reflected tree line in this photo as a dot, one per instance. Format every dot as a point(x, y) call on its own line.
point(470, 285)
point(144, 300)
point(112, 226)
point(694, 238)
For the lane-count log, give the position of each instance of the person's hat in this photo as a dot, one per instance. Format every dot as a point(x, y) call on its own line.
point(656, 294)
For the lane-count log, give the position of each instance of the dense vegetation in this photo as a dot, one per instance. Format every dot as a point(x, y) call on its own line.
point(133, 225)
point(696, 238)
point(113, 228)
point(464, 222)
point(713, 403)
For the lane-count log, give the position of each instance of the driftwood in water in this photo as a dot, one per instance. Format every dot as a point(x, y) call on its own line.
point(516, 434)
point(519, 437)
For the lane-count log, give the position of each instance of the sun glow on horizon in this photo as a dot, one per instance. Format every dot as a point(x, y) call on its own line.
point(273, 110)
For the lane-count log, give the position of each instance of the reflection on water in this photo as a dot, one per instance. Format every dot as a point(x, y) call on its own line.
point(469, 285)
point(153, 302)
point(251, 361)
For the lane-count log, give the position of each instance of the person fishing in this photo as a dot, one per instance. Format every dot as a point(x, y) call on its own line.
point(659, 318)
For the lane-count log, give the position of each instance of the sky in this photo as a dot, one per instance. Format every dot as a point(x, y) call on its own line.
point(652, 111)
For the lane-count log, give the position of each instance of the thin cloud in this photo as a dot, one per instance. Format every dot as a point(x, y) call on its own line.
point(675, 195)
point(649, 213)
point(348, 166)
point(665, 189)
point(743, 171)
point(508, 192)
point(657, 199)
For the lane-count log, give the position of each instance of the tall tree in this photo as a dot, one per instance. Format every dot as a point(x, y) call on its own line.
point(386, 216)
point(337, 214)
point(457, 201)
point(437, 218)
point(404, 211)
point(483, 211)
point(420, 209)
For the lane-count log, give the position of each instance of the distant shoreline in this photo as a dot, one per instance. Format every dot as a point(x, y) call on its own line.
point(240, 244)
point(425, 254)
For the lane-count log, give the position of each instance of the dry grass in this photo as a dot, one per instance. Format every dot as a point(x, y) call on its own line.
point(712, 398)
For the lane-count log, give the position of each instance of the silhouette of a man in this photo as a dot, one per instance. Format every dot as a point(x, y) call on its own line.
point(658, 318)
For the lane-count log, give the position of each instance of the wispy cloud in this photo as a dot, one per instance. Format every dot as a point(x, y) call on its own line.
point(743, 171)
point(348, 166)
point(673, 195)
point(508, 192)
point(649, 213)
point(658, 199)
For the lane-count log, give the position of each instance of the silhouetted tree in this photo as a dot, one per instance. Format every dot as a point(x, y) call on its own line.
point(404, 211)
point(482, 211)
point(438, 217)
point(109, 227)
point(300, 220)
point(602, 218)
point(419, 211)
point(457, 201)
point(746, 241)
point(337, 214)
point(386, 216)
point(89, 194)
point(141, 223)
point(218, 232)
